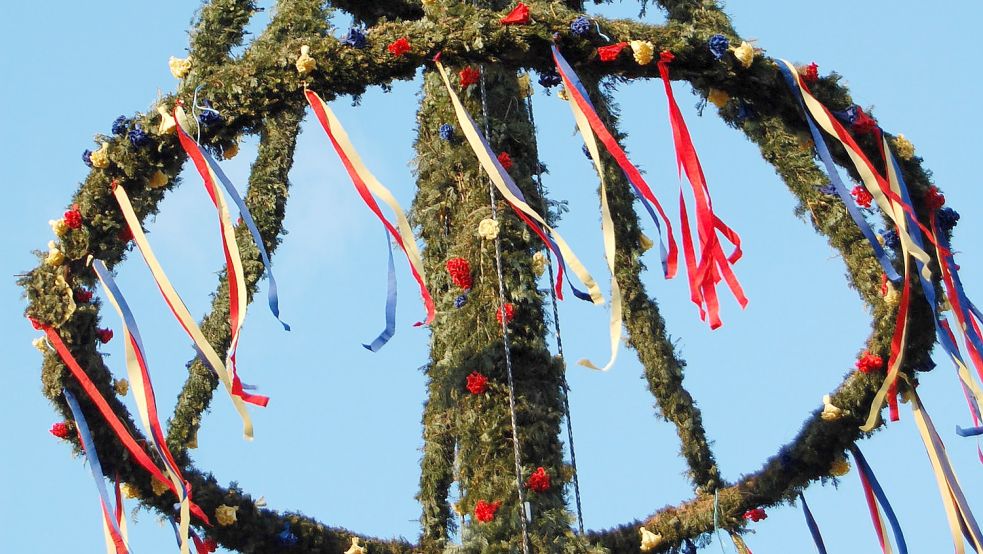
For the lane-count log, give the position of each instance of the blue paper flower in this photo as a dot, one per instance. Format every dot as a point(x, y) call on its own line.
point(460, 301)
point(891, 239)
point(286, 537)
point(848, 115)
point(948, 218)
point(87, 157)
point(828, 189)
point(718, 46)
point(447, 132)
point(138, 137)
point(550, 78)
point(355, 38)
point(580, 26)
point(120, 125)
point(209, 117)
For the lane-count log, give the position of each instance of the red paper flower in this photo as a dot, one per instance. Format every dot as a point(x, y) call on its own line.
point(509, 313)
point(399, 47)
point(539, 481)
point(665, 56)
point(83, 296)
point(610, 53)
point(477, 383)
point(518, 16)
point(60, 430)
point(756, 514)
point(870, 362)
point(105, 335)
point(73, 218)
point(810, 73)
point(485, 511)
point(460, 272)
point(35, 323)
point(884, 288)
point(934, 199)
point(863, 123)
point(862, 197)
point(469, 76)
point(505, 160)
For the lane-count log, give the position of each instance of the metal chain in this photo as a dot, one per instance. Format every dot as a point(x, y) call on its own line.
point(565, 388)
point(505, 337)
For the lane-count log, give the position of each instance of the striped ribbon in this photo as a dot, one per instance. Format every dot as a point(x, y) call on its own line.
point(238, 302)
point(143, 393)
point(874, 495)
point(962, 524)
point(507, 188)
point(204, 349)
point(116, 542)
point(713, 264)
point(368, 188)
point(578, 93)
point(817, 537)
point(120, 517)
point(390, 329)
point(119, 428)
point(607, 231)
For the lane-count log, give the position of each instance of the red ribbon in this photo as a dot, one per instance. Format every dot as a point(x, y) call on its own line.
point(713, 264)
point(518, 16)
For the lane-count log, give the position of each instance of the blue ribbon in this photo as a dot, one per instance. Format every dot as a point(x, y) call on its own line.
point(813, 527)
point(89, 447)
point(881, 498)
point(834, 178)
point(569, 73)
point(969, 431)
point(247, 218)
point(390, 329)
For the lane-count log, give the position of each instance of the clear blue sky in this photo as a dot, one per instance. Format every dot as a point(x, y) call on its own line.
point(341, 437)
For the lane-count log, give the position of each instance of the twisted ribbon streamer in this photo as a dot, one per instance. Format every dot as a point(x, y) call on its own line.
point(368, 186)
point(875, 494)
point(116, 543)
point(506, 187)
point(204, 349)
point(143, 392)
point(390, 329)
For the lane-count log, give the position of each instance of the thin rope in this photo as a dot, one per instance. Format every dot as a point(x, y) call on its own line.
point(565, 388)
point(505, 336)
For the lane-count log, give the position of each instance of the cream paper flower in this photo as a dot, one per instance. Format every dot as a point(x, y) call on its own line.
point(158, 179)
point(58, 226)
point(488, 229)
point(718, 97)
point(643, 50)
point(539, 263)
point(904, 147)
point(55, 255)
point(41, 344)
point(744, 54)
point(180, 67)
point(100, 158)
point(226, 515)
point(831, 412)
point(167, 123)
point(356, 548)
point(305, 63)
point(650, 540)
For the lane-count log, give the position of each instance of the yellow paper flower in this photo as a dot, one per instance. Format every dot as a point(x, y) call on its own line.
point(226, 515)
point(904, 147)
point(645, 242)
point(744, 54)
point(100, 158)
point(121, 386)
point(58, 226)
point(539, 263)
point(167, 123)
point(55, 255)
point(831, 412)
point(488, 229)
point(525, 87)
point(260, 502)
point(562, 94)
point(41, 344)
point(180, 67)
point(158, 179)
point(159, 486)
point(231, 151)
point(650, 540)
point(840, 467)
point(643, 50)
point(305, 63)
point(356, 548)
point(718, 97)
point(129, 491)
point(892, 297)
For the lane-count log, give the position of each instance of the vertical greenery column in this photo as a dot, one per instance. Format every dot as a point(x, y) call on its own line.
point(453, 198)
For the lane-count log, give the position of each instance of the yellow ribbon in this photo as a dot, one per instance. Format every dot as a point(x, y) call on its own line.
point(485, 158)
point(178, 307)
point(607, 231)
